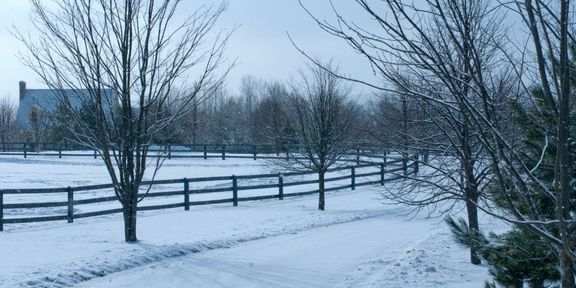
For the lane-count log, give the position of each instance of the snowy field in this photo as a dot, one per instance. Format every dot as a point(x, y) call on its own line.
point(89, 200)
point(356, 242)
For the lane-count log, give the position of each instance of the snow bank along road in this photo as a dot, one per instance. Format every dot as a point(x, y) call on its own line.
point(357, 242)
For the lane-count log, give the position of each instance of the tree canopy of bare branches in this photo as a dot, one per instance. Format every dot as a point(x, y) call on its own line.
point(127, 61)
point(459, 51)
point(427, 51)
point(323, 123)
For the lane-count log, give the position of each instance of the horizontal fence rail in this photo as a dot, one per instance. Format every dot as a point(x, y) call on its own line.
point(66, 203)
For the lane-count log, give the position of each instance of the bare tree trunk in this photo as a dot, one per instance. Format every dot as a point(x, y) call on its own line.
point(130, 210)
point(473, 227)
point(321, 199)
point(563, 163)
point(564, 189)
point(471, 193)
point(405, 124)
point(195, 122)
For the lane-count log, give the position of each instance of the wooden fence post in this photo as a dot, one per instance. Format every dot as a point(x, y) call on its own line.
point(357, 156)
point(280, 187)
point(1, 210)
point(60, 151)
point(169, 152)
point(382, 165)
point(416, 164)
point(186, 194)
point(70, 205)
point(384, 157)
point(234, 190)
point(353, 177)
point(254, 151)
point(205, 151)
point(25, 152)
point(426, 155)
point(95, 154)
point(223, 151)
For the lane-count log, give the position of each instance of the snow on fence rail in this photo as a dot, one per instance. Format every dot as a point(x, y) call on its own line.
point(68, 202)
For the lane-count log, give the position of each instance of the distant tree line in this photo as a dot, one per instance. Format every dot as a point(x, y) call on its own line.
point(261, 112)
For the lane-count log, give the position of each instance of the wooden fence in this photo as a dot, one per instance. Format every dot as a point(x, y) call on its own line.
point(26, 149)
point(395, 169)
point(205, 151)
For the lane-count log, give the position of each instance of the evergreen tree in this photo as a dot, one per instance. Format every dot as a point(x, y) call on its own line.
point(519, 256)
point(515, 257)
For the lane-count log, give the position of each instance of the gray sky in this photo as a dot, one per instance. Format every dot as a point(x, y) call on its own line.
point(260, 44)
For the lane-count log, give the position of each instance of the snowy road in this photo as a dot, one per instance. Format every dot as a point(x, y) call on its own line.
point(319, 258)
point(357, 242)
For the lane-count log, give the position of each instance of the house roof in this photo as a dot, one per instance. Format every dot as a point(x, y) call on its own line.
point(47, 100)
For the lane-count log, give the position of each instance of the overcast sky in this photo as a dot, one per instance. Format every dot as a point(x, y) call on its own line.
point(260, 44)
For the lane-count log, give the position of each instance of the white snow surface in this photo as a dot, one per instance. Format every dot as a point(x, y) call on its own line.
point(356, 242)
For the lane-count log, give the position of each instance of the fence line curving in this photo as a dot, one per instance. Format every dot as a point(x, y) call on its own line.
point(66, 203)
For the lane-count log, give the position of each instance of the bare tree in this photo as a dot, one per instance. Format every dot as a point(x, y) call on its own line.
point(125, 59)
point(523, 184)
point(230, 121)
point(401, 123)
point(550, 26)
point(250, 92)
point(270, 117)
point(426, 51)
point(7, 118)
point(322, 123)
point(410, 41)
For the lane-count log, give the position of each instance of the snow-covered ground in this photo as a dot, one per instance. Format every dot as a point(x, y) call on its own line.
point(356, 242)
point(49, 171)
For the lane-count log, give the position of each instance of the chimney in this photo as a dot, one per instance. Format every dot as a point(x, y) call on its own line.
point(22, 85)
